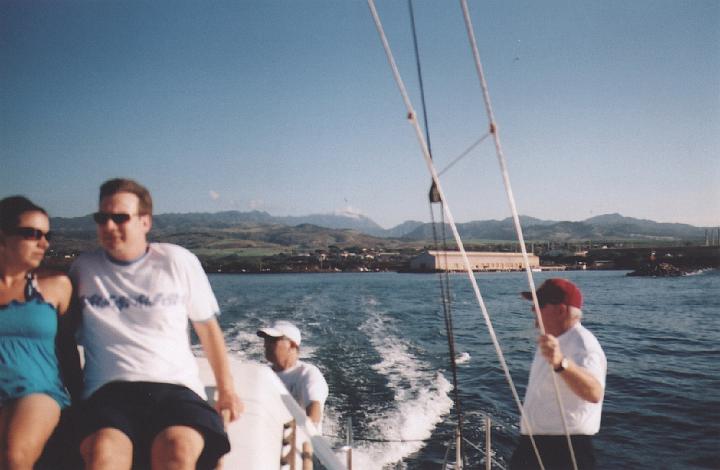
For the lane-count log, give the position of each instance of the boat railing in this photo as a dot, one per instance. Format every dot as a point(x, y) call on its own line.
point(458, 441)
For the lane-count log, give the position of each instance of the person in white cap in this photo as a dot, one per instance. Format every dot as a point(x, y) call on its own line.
point(304, 381)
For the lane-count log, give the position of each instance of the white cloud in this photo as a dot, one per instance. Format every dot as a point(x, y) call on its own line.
point(214, 195)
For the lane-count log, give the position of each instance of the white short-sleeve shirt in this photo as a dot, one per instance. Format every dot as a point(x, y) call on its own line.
point(306, 384)
point(135, 316)
point(540, 404)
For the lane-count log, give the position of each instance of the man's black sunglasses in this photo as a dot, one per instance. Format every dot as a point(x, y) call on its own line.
point(101, 218)
point(29, 233)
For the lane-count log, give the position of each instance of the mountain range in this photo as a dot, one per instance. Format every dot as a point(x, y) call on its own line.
point(602, 227)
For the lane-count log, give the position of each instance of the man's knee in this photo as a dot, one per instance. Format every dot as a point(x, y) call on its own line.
point(107, 445)
point(179, 445)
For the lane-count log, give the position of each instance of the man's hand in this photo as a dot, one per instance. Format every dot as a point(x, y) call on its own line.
point(229, 406)
point(580, 381)
point(228, 403)
point(550, 349)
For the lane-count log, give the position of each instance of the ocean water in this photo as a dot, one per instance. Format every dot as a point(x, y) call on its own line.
point(380, 340)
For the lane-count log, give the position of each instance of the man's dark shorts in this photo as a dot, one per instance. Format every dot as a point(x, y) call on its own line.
point(141, 410)
point(554, 452)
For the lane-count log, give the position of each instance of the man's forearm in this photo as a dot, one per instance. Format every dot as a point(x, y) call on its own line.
point(314, 412)
point(228, 403)
point(213, 344)
point(582, 383)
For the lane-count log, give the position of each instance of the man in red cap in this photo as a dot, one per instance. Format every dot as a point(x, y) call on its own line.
point(573, 354)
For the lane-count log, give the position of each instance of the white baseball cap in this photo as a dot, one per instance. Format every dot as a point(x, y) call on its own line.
point(282, 328)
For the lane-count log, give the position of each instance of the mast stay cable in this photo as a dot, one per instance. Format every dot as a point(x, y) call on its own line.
point(444, 276)
point(513, 209)
point(463, 154)
point(412, 118)
point(431, 168)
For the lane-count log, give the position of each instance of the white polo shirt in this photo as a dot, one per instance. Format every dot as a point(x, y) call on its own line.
point(540, 404)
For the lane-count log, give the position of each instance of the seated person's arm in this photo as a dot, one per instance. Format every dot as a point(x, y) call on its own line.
point(213, 344)
point(314, 412)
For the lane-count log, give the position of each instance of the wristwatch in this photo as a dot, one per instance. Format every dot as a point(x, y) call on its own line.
point(563, 365)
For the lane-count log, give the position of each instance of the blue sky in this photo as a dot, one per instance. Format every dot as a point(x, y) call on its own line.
point(290, 107)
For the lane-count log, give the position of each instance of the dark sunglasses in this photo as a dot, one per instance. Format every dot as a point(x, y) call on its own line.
point(101, 218)
point(29, 233)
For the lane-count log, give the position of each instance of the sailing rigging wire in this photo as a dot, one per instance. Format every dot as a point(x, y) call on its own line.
point(515, 216)
point(451, 222)
point(444, 277)
point(411, 115)
point(463, 154)
point(449, 328)
point(420, 76)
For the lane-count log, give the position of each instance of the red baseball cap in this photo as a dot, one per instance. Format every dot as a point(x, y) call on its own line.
point(557, 291)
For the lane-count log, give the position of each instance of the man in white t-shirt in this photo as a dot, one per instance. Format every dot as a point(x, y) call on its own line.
point(144, 402)
point(304, 381)
point(573, 354)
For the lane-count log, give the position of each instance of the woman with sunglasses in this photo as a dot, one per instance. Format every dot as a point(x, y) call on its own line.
point(32, 301)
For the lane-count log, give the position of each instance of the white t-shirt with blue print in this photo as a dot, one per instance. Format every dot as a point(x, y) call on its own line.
point(135, 316)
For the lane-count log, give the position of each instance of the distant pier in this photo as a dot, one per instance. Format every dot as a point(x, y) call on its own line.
point(684, 257)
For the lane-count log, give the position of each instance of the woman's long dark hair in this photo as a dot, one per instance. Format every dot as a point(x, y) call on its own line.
point(11, 208)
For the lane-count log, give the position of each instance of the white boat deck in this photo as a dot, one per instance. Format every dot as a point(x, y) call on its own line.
point(256, 437)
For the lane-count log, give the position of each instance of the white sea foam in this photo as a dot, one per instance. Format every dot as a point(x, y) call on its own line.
point(245, 344)
point(406, 426)
point(421, 399)
point(699, 271)
point(462, 358)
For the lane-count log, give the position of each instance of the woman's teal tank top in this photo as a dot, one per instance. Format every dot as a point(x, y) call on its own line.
point(28, 363)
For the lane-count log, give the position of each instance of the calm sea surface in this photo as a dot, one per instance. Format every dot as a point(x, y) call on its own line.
point(380, 341)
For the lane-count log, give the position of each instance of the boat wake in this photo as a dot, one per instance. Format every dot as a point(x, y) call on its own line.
point(416, 397)
point(420, 399)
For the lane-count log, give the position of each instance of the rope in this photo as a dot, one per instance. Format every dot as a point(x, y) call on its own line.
point(501, 160)
point(445, 285)
point(463, 154)
point(447, 453)
point(431, 168)
point(443, 276)
point(516, 221)
point(419, 74)
point(369, 439)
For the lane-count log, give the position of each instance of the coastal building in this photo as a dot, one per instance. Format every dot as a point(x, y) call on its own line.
point(438, 260)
